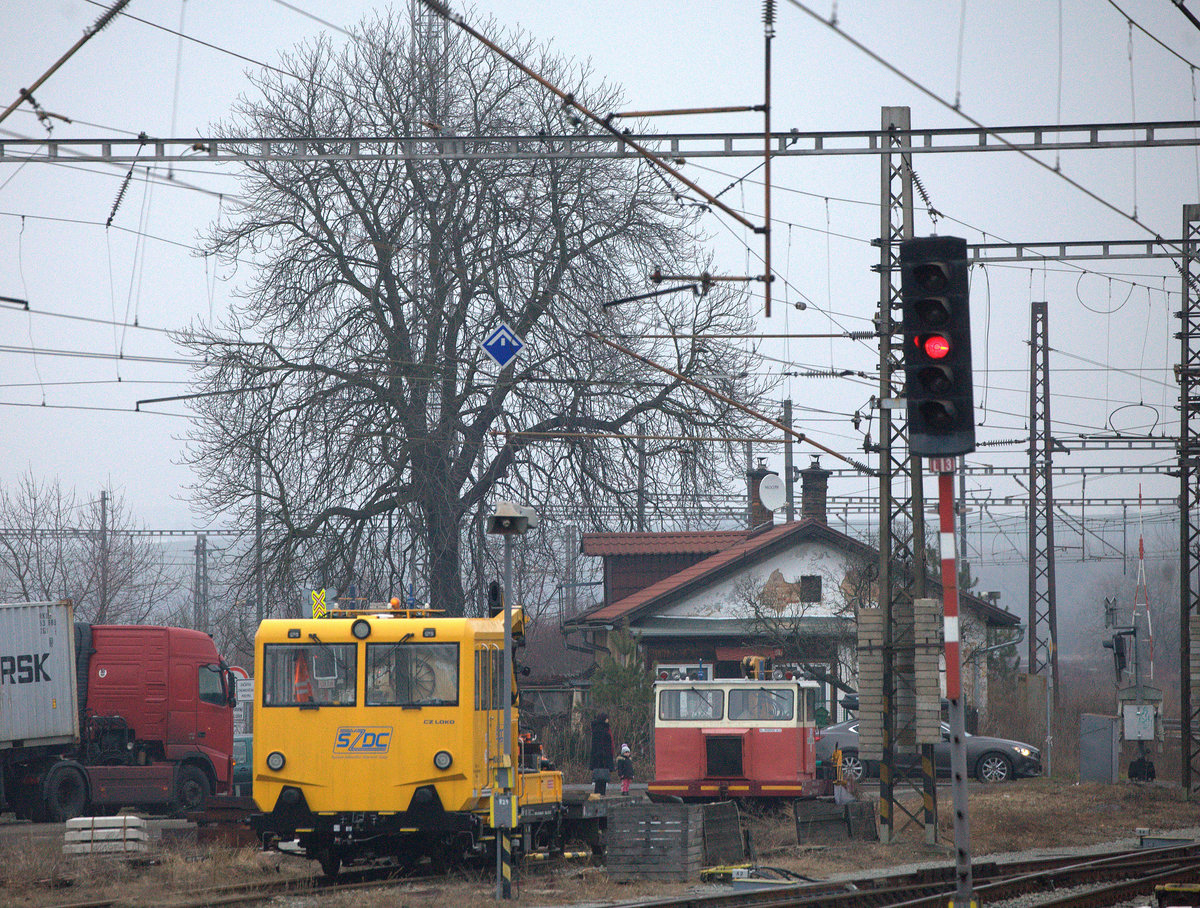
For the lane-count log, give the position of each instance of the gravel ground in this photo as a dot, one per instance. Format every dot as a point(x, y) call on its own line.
point(1033, 900)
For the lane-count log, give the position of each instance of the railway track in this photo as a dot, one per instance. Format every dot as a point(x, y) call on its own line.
point(260, 891)
point(1067, 881)
point(1093, 880)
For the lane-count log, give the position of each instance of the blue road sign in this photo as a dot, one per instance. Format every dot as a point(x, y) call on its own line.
point(502, 345)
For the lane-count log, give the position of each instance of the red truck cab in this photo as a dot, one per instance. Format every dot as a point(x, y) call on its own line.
point(171, 688)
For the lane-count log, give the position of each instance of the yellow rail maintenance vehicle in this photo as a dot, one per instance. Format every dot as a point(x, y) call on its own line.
point(377, 735)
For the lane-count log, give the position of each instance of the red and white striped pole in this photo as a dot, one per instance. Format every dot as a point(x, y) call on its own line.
point(949, 575)
point(964, 896)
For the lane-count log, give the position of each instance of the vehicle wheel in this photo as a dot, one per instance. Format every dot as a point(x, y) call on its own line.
point(66, 794)
point(191, 788)
point(853, 768)
point(993, 767)
point(330, 861)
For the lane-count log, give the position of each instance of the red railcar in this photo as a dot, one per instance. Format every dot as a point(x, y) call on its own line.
point(735, 738)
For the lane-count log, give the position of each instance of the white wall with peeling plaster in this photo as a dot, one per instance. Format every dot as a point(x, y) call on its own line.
point(727, 599)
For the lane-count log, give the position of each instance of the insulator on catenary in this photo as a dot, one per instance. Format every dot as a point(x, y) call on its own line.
point(120, 195)
point(107, 16)
point(768, 12)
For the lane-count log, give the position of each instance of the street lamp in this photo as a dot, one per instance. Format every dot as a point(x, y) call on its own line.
point(507, 520)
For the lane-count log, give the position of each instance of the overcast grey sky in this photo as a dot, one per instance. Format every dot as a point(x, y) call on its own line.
point(1001, 60)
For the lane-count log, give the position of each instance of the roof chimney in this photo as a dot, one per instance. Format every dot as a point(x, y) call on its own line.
point(759, 514)
point(814, 492)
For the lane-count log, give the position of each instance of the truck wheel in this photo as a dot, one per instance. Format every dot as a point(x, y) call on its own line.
point(66, 793)
point(191, 788)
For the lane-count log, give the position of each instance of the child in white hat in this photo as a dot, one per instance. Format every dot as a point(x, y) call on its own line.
point(625, 768)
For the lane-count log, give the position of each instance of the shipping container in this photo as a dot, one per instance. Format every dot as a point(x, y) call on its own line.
point(37, 674)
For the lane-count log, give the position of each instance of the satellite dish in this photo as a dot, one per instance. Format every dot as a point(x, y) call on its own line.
point(770, 492)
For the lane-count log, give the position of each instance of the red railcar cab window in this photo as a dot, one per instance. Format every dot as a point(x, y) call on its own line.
point(760, 704)
point(691, 705)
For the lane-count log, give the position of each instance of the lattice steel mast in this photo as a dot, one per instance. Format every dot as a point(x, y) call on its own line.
point(901, 521)
point(1043, 622)
point(1189, 501)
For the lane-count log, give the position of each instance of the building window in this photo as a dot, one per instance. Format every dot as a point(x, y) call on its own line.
point(810, 588)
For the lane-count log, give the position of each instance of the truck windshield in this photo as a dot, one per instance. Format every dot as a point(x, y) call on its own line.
point(412, 674)
point(309, 674)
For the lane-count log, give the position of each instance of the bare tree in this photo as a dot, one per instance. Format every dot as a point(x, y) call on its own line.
point(351, 373)
point(56, 546)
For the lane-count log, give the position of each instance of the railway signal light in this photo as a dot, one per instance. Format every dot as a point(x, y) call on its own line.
point(495, 599)
point(936, 322)
point(1117, 644)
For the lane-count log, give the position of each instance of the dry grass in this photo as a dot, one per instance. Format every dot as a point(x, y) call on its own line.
point(1016, 816)
point(1031, 813)
point(37, 865)
point(37, 873)
point(1049, 813)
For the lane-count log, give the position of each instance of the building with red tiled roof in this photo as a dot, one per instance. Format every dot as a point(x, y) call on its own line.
point(702, 601)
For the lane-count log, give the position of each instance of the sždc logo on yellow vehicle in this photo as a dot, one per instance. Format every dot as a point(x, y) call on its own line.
point(360, 741)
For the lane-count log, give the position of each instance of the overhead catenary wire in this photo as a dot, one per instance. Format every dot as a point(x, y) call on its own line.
point(639, 436)
point(934, 96)
point(89, 408)
point(99, 321)
point(25, 289)
point(656, 162)
point(1034, 255)
point(844, 335)
point(98, 381)
point(86, 223)
point(88, 33)
point(569, 101)
point(178, 73)
point(724, 398)
point(983, 266)
point(1154, 37)
point(209, 45)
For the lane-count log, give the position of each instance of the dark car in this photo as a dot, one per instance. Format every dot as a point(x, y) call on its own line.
point(243, 764)
point(988, 759)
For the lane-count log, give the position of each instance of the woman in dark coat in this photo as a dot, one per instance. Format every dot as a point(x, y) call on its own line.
point(602, 753)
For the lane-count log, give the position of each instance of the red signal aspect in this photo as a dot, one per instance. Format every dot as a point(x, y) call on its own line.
point(936, 346)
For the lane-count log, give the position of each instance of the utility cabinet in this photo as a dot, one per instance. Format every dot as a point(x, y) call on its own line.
point(1099, 748)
